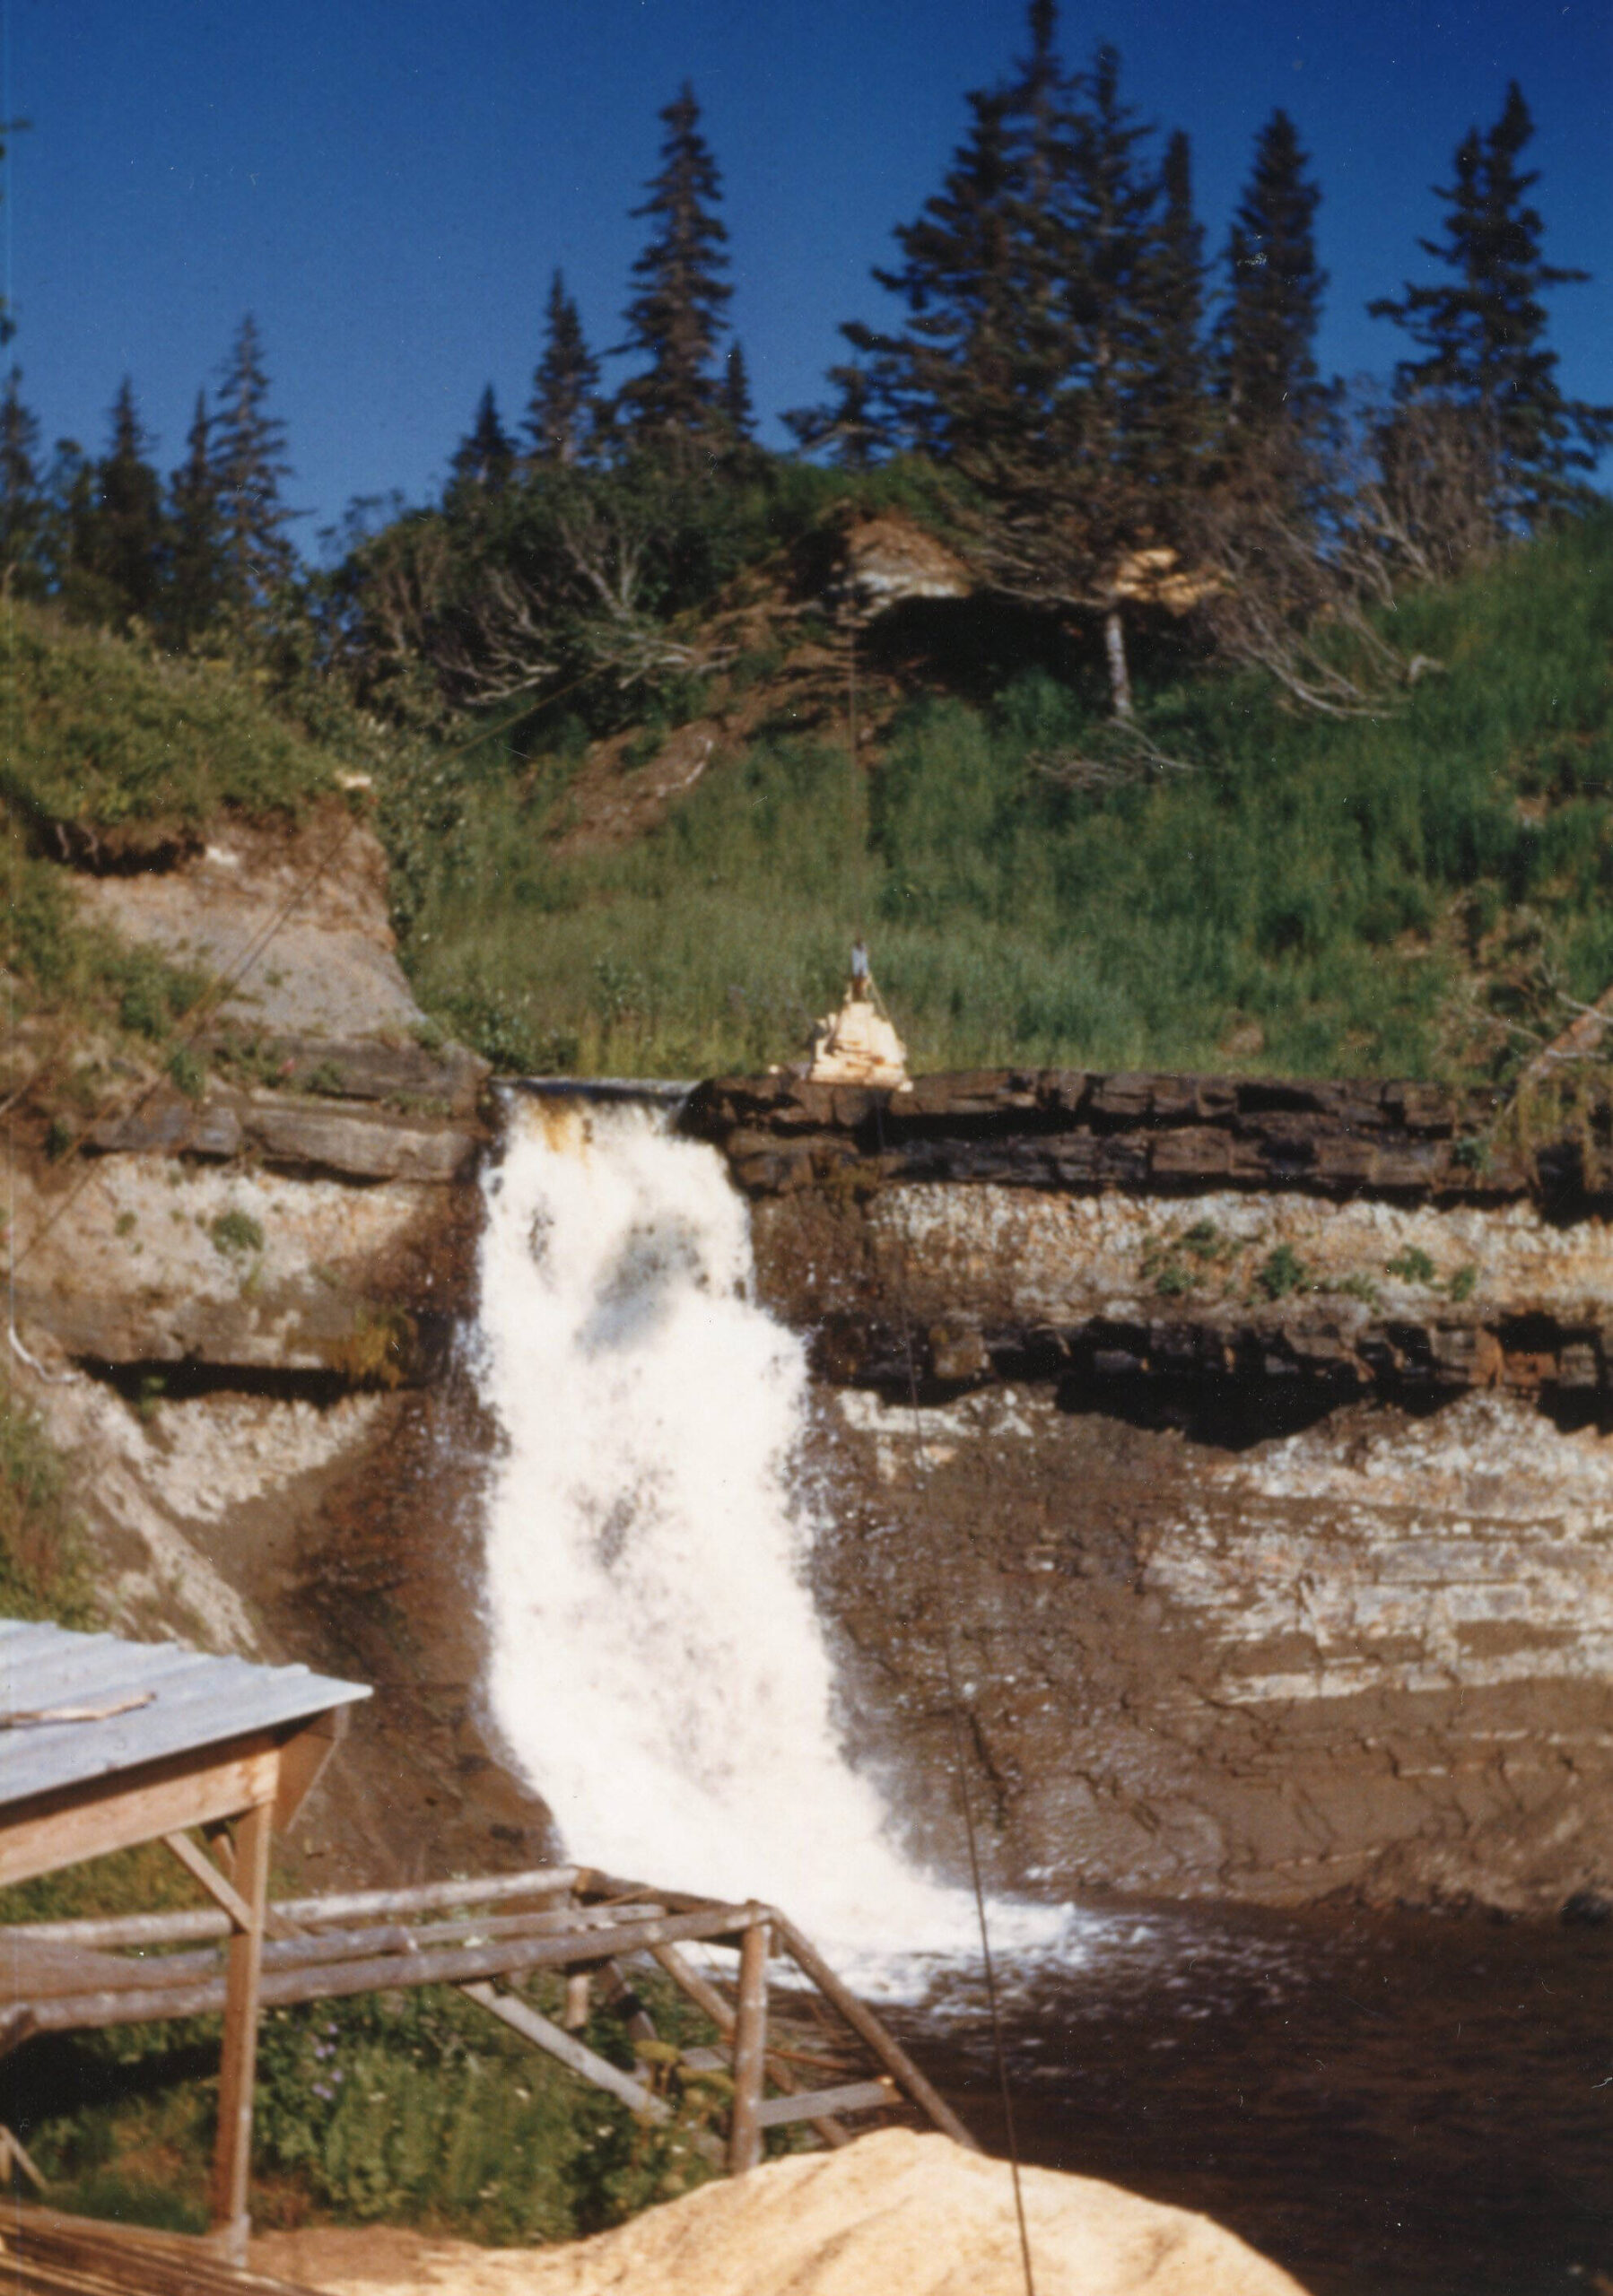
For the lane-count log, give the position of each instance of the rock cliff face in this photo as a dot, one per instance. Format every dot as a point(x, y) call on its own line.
point(1251, 1437)
point(237, 1311)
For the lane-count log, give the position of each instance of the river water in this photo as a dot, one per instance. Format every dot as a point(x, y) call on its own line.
point(1390, 2107)
point(1387, 2105)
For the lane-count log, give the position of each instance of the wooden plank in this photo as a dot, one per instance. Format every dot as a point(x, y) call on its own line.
point(750, 2051)
point(181, 1928)
point(334, 1980)
point(303, 1761)
point(575, 2055)
point(86, 1820)
point(63, 2252)
point(868, 2028)
point(217, 1885)
point(233, 2163)
point(850, 2096)
point(705, 1997)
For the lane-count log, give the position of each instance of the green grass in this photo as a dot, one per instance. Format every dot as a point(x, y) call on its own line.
point(44, 1571)
point(1380, 896)
point(102, 733)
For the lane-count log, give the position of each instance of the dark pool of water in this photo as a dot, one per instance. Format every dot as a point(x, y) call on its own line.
point(1387, 2106)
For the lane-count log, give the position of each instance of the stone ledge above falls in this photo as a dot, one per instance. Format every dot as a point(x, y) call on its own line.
point(1335, 1237)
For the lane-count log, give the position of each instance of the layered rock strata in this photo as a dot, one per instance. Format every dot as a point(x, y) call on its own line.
point(1248, 1441)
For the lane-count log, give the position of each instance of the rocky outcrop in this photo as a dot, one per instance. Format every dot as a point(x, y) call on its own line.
point(1247, 1439)
point(236, 1309)
point(1103, 1228)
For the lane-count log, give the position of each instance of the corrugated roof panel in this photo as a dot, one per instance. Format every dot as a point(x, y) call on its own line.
point(46, 1675)
point(194, 1701)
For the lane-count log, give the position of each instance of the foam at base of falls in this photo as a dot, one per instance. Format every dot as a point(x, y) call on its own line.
point(658, 1668)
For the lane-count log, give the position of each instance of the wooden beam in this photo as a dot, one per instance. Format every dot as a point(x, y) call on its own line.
point(98, 1814)
point(200, 1868)
point(334, 1980)
point(303, 1760)
point(750, 2051)
point(522, 2018)
point(705, 1997)
point(850, 2097)
point(232, 2162)
point(866, 2026)
point(574, 2055)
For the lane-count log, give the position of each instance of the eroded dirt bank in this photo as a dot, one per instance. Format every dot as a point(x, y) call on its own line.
point(240, 1310)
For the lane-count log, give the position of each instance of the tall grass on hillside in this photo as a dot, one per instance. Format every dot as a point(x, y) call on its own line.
point(1361, 896)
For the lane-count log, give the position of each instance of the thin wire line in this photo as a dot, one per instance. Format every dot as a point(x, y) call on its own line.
point(961, 1750)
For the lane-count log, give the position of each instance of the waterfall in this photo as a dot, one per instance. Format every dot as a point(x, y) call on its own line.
point(658, 1667)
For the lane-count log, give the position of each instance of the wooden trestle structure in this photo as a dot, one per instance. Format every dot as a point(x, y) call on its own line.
point(105, 1743)
point(821, 2057)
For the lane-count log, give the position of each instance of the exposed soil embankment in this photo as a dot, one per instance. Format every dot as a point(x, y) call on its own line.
point(1261, 1471)
point(239, 1308)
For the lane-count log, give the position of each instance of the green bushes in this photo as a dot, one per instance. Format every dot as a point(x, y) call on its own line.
point(413, 2106)
point(102, 735)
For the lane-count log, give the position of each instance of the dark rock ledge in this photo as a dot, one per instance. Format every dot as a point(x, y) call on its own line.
point(1065, 1129)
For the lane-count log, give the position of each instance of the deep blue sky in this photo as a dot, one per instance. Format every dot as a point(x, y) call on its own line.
point(388, 186)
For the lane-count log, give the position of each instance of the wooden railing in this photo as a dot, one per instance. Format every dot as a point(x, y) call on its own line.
point(57, 1977)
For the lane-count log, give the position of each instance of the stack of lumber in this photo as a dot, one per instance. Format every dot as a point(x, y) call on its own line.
point(45, 2254)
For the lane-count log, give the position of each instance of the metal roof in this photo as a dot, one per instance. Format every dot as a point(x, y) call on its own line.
point(172, 1699)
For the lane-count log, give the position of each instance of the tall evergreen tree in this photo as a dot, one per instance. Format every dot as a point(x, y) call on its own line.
point(22, 498)
point(248, 463)
point(1110, 236)
point(566, 387)
point(951, 379)
point(850, 426)
point(126, 546)
point(1481, 330)
point(1172, 408)
point(196, 583)
point(1266, 333)
point(485, 457)
point(738, 411)
point(675, 319)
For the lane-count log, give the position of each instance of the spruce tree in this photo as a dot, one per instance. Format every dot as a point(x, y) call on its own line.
point(951, 379)
point(1173, 402)
point(675, 319)
point(22, 498)
point(485, 457)
point(566, 387)
point(196, 583)
point(248, 463)
point(125, 546)
point(1481, 330)
point(1266, 333)
point(851, 426)
point(738, 411)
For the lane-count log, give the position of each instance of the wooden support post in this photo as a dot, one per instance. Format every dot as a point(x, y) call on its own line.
point(706, 1998)
point(574, 2016)
point(232, 2162)
point(867, 2027)
point(750, 2051)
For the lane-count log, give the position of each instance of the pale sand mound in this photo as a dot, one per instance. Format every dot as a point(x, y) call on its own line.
point(895, 2215)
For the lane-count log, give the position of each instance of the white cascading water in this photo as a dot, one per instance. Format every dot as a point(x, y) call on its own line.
point(658, 1668)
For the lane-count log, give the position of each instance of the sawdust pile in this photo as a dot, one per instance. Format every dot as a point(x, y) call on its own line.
point(895, 2213)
